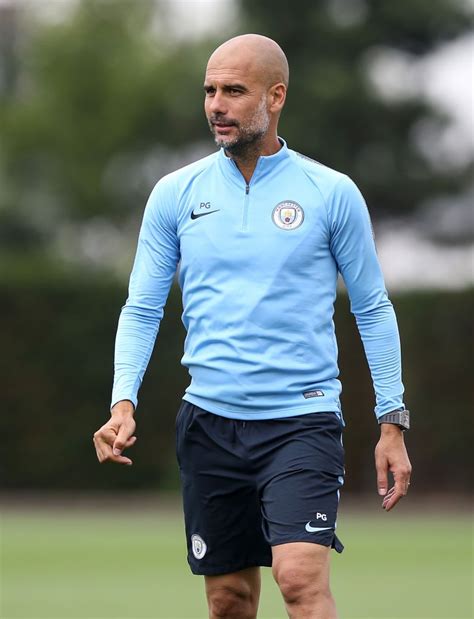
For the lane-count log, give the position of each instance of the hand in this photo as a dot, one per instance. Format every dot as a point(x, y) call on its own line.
point(116, 435)
point(391, 455)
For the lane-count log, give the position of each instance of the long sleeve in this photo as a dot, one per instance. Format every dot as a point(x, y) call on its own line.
point(353, 247)
point(155, 264)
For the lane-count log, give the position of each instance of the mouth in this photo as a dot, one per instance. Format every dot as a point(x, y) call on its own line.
point(222, 129)
point(221, 124)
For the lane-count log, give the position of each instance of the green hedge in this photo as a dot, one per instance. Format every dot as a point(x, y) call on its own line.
point(56, 372)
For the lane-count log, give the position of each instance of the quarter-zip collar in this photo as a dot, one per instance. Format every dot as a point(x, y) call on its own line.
point(265, 164)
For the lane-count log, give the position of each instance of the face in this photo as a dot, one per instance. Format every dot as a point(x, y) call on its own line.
point(236, 107)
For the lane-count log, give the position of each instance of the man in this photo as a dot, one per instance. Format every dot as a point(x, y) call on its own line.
point(260, 233)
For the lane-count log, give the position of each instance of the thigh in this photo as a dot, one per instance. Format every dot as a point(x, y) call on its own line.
point(302, 481)
point(221, 505)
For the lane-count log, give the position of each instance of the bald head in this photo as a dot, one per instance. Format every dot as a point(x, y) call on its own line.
point(255, 55)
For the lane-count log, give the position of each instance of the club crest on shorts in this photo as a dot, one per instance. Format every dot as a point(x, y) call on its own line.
point(288, 215)
point(198, 545)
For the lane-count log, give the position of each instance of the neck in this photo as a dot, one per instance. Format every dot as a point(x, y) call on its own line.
point(246, 156)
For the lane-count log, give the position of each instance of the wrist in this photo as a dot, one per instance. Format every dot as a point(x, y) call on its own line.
point(390, 429)
point(123, 407)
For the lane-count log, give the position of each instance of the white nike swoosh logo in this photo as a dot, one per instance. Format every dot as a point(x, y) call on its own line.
point(311, 529)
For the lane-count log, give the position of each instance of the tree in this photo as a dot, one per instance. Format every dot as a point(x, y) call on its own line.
point(94, 99)
point(95, 107)
point(335, 115)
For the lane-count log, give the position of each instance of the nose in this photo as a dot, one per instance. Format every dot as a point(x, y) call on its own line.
point(217, 104)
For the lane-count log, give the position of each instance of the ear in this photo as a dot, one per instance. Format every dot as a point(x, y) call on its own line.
point(277, 95)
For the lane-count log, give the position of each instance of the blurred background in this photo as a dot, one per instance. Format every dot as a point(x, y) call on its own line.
point(98, 100)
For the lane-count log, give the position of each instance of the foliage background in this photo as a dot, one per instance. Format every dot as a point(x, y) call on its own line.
point(98, 101)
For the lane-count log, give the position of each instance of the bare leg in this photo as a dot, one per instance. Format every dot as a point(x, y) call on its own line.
point(301, 570)
point(234, 596)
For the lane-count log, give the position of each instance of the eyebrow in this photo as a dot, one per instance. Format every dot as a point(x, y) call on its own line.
point(227, 87)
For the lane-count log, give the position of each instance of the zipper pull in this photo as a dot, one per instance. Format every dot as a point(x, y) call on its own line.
point(247, 189)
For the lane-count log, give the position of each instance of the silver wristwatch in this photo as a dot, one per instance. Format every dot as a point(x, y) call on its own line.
point(400, 418)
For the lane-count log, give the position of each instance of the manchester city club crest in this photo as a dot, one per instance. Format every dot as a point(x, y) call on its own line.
point(288, 215)
point(199, 546)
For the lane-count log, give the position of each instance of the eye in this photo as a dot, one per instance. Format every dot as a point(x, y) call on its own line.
point(210, 91)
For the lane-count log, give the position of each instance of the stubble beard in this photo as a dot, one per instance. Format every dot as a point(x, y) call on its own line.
point(249, 135)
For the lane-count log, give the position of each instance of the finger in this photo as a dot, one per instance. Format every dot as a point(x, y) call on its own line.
point(382, 476)
point(122, 438)
point(105, 453)
point(394, 495)
point(402, 480)
point(97, 449)
point(130, 442)
point(121, 460)
point(106, 434)
point(102, 449)
point(389, 494)
point(390, 502)
point(388, 497)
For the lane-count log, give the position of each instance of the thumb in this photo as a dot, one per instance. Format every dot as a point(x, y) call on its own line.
point(122, 438)
point(382, 477)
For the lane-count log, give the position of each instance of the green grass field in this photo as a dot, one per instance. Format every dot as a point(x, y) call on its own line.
point(60, 564)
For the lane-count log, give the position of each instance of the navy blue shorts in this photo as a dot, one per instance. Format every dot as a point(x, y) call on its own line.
point(251, 485)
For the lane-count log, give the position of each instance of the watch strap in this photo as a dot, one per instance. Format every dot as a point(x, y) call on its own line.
point(400, 418)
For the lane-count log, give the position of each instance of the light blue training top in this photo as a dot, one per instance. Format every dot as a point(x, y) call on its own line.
point(258, 265)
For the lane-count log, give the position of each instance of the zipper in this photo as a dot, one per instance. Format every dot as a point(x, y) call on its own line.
point(245, 213)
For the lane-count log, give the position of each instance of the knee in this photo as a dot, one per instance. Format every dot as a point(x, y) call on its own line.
point(231, 603)
point(300, 585)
